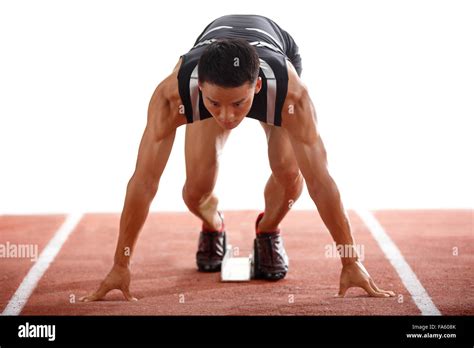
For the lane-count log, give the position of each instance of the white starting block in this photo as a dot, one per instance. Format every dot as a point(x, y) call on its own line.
point(236, 269)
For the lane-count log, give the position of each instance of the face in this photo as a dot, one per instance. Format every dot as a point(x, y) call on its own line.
point(229, 106)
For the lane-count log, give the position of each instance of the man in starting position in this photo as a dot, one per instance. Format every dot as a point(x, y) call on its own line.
point(240, 66)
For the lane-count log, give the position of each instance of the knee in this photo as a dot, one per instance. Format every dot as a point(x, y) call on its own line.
point(193, 196)
point(287, 175)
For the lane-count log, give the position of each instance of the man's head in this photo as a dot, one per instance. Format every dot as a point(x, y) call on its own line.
point(228, 79)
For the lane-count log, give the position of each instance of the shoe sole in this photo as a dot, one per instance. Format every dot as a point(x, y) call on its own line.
point(209, 268)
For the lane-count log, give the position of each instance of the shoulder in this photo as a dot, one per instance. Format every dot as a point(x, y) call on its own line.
point(164, 110)
point(168, 89)
point(297, 90)
point(298, 114)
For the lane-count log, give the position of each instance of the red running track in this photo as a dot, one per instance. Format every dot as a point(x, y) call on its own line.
point(165, 279)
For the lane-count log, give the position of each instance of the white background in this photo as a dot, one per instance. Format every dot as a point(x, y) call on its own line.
point(392, 82)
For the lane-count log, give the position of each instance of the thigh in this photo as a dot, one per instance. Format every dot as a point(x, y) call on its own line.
point(280, 154)
point(204, 142)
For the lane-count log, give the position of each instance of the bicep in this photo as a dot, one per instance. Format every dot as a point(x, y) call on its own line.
point(156, 143)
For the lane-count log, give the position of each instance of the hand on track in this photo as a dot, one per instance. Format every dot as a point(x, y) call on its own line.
point(355, 275)
point(118, 278)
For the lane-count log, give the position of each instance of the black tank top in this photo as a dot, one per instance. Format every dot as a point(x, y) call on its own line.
point(274, 46)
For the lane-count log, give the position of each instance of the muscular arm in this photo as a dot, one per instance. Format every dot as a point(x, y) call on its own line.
point(154, 151)
point(312, 159)
point(299, 119)
point(153, 155)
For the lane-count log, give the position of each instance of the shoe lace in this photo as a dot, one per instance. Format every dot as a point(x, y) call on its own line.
point(211, 243)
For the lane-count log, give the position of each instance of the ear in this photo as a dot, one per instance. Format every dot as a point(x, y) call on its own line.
point(258, 85)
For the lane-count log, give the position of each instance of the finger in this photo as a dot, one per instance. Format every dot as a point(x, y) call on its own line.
point(99, 294)
point(128, 296)
point(372, 291)
point(343, 287)
point(89, 298)
point(389, 293)
point(93, 297)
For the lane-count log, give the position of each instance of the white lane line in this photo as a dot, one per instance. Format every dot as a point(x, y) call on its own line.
point(28, 285)
point(420, 296)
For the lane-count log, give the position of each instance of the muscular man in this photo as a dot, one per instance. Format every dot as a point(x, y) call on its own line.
point(240, 66)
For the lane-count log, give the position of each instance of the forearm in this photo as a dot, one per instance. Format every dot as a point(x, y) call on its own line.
point(137, 204)
point(330, 207)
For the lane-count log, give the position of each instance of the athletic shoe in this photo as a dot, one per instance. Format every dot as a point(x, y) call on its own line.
point(211, 249)
point(270, 258)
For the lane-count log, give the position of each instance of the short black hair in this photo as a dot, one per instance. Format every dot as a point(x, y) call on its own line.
point(229, 63)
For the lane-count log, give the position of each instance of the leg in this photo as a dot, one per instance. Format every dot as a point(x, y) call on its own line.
point(285, 184)
point(204, 141)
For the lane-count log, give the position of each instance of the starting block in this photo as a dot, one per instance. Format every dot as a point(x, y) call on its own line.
point(236, 269)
